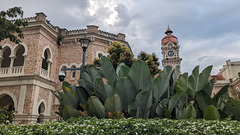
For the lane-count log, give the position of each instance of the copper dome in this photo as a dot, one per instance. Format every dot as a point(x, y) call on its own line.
point(169, 37)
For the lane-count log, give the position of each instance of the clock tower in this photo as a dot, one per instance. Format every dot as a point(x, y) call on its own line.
point(170, 50)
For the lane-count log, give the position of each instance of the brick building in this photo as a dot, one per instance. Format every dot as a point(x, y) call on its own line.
point(228, 75)
point(29, 71)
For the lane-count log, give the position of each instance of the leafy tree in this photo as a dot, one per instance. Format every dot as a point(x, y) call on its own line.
point(96, 62)
point(151, 60)
point(6, 115)
point(118, 53)
point(11, 29)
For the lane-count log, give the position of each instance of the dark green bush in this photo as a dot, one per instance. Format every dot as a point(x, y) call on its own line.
point(6, 115)
point(93, 125)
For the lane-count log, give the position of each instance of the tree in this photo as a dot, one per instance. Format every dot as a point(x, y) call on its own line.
point(12, 29)
point(118, 53)
point(6, 115)
point(151, 60)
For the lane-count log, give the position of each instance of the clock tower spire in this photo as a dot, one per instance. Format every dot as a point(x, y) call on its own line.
point(170, 50)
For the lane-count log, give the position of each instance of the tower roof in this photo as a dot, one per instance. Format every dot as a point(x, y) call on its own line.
point(169, 37)
point(168, 30)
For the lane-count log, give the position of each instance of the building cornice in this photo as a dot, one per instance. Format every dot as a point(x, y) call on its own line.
point(32, 79)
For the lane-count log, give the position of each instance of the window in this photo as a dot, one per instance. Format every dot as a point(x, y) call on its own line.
point(6, 59)
point(63, 67)
point(100, 55)
point(73, 74)
point(44, 61)
point(19, 60)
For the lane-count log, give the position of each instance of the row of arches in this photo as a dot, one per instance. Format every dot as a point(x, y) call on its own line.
point(72, 65)
point(13, 55)
point(7, 98)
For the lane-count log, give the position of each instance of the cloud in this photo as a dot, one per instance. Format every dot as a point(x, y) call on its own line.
point(207, 31)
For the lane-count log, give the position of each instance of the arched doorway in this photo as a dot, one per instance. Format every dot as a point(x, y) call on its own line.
point(41, 111)
point(6, 100)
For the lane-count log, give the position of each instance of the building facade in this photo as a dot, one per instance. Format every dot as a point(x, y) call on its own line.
point(29, 71)
point(228, 75)
point(170, 50)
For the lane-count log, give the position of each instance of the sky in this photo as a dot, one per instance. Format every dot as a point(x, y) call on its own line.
point(208, 31)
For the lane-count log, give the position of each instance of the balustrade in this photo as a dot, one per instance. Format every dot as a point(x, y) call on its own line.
point(44, 72)
point(11, 71)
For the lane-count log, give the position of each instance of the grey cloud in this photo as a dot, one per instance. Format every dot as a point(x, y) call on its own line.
point(207, 31)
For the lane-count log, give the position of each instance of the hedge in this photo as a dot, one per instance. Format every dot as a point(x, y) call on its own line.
point(77, 126)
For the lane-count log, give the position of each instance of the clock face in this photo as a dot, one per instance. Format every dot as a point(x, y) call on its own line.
point(170, 53)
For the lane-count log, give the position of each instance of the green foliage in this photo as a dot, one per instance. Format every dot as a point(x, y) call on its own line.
point(97, 62)
point(133, 92)
point(120, 54)
point(234, 107)
point(125, 126)
point(95, 107)
point(151, 60)
point(6, 115)
point(189, 113)
point(8, 28)
point(211, 113)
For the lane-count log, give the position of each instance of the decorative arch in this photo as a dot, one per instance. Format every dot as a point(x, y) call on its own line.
point(42, 102)
point(19, 58)
point(98, 53)
point(4, 92)
point(64, 65)
point(4, 47)
point(16, 47)
point(49, 52)
point(73, 72)
point(46, 61)
point(75, 64)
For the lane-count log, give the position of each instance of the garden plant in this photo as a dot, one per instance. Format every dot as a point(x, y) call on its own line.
point(133, 92)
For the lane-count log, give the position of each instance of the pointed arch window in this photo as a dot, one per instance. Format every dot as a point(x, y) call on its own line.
point(46, 63)
point(63, 67)
point(6, 61)
point(19, 59)
point(73, 73)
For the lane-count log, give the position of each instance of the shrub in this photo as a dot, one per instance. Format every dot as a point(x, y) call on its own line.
point(126, 126)
point(6, 115)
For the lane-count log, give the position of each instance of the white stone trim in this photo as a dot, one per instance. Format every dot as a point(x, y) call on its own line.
point(64, 65)
point(50, 51)
point(16, 47)
point(49, 108)
point(45, 106)
point(27, 82)
point(11, 95)
point(21, 99)
point(75, 64)
point(4, 47)
point(35, 101)
point(104, 54)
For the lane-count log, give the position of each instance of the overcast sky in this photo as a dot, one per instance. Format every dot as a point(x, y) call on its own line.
point(208, 31)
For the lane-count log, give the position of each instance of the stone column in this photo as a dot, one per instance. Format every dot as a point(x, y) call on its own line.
point(21, 99)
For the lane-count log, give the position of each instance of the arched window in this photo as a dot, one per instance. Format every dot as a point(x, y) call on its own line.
point(7, 100)
point(41, 110)
point(6, 59)
point(63, 67)
point(19, 60)
point(44, 61)
point(100, 55)
point(73, 74)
